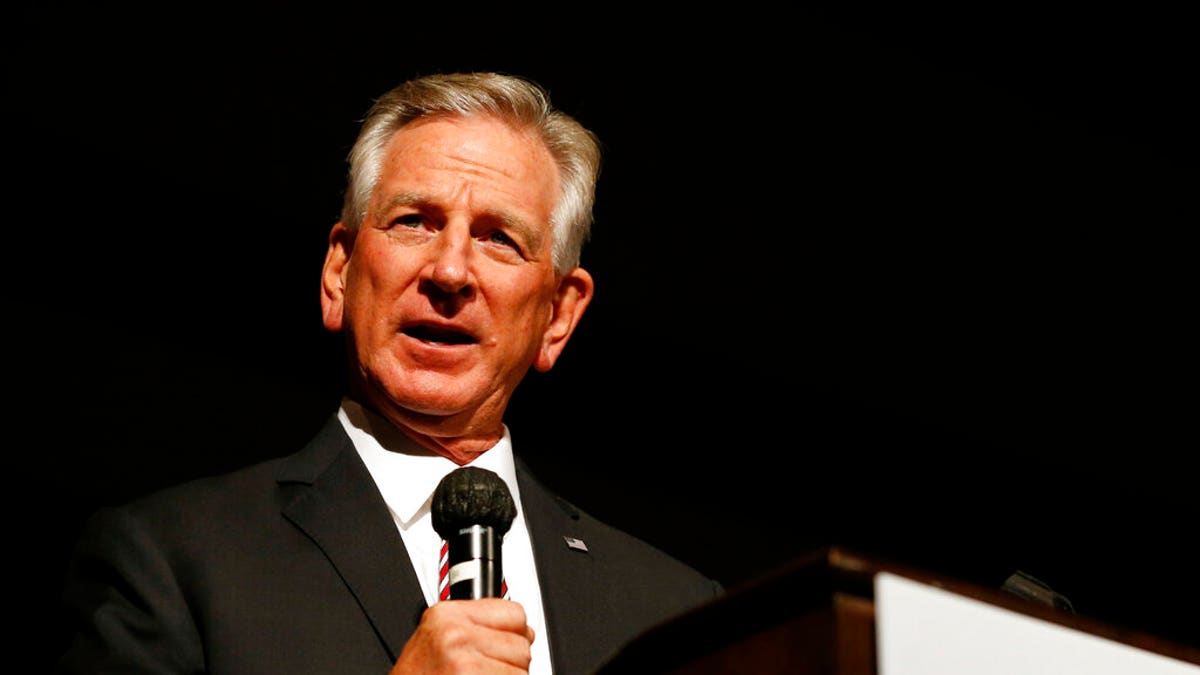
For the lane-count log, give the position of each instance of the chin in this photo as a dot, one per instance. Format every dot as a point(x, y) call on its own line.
point(441, 397)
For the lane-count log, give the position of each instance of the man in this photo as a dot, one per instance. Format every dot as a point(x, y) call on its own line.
point(453, 270)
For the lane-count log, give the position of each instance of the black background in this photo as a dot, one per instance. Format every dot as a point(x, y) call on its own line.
point(917, 283)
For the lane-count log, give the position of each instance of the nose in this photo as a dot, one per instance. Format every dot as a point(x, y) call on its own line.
point(449, 270)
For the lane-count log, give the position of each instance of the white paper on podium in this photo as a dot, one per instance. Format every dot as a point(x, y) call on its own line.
point(926, 630)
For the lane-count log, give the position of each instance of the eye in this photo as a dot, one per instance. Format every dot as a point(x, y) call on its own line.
point(502, 244)
point(498, 237)
point(409, 220)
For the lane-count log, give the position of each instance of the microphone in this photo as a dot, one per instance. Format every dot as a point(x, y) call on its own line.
point(472, 510)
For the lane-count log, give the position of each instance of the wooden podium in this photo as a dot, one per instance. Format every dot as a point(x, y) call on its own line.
point(818, 615)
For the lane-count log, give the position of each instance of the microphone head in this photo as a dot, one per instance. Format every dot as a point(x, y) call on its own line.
point(472, 496)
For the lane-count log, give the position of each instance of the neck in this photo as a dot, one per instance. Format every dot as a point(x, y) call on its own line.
point(443, 435)
point(461, 450)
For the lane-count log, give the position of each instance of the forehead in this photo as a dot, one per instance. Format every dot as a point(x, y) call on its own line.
point(480, 147)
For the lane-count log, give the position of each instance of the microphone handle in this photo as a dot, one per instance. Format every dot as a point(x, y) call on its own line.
point(476, 570)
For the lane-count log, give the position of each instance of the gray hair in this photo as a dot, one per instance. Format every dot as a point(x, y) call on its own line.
point(520, 102)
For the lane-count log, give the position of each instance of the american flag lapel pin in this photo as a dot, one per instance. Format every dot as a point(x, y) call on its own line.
point(574, 543)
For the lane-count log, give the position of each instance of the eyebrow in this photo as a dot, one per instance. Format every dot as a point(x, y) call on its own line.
point(531, 235)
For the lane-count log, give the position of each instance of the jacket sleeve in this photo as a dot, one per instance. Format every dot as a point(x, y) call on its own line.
point(127, 612)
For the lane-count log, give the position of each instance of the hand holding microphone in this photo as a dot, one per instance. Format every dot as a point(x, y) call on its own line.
point(472, 510)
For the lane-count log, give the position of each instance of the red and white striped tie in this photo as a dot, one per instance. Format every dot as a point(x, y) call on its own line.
point(444, 575)
point(444, 572)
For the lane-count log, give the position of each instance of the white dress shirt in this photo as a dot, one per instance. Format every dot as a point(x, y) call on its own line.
point(407, 475)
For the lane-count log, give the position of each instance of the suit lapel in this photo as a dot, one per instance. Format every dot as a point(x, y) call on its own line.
point(570, 592)
point(341, 510)
point(338, 506)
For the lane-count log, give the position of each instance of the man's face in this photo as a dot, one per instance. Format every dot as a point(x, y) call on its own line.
point(448, 290)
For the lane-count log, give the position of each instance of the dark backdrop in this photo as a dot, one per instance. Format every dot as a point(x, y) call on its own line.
point(914, 283)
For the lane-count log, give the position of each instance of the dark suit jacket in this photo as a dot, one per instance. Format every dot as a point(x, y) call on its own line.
point(295, 566)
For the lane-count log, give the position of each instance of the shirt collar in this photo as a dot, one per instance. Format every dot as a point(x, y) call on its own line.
point(407, 473)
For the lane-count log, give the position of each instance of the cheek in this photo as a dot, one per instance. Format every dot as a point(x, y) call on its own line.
point(519, 312)
point(369, 259)
point(377, 271)
point(371, 284)
point(536, 312)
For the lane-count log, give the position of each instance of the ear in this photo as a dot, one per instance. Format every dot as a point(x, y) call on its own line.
point(570, 300)
point(333, 276)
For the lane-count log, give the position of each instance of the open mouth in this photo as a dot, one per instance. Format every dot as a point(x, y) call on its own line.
point(439, 336)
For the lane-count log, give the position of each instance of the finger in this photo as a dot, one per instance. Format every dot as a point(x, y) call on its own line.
point(494, 613)
point(468, 636)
